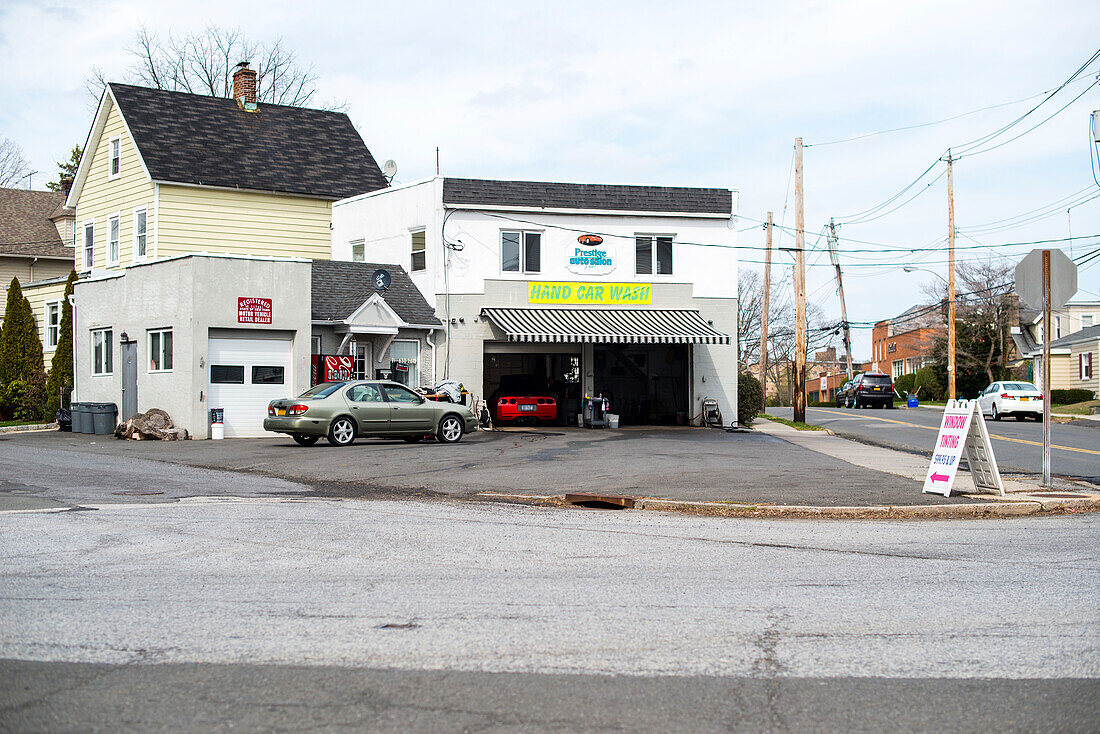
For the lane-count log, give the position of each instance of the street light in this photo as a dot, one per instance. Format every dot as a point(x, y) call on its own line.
point(950, 327)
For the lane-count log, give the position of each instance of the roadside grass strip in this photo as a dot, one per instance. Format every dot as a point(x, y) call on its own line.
point(797, 425)
point(937, 428)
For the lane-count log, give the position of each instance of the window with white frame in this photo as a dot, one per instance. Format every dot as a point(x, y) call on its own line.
point(1084, 366)
point(102, 352)
point(1057, 327)
point(358, 251)
point(1087, 320)
point(89, 245)
point(404, 360)
point(53, 323)
point(419, 240)
point(653, 255)
point(114, 227)
point(115, 158)
point(898, 368)
point(521, 252)
point(160, 350)
point(141, 233)
point(315, 344)
point(72, 242)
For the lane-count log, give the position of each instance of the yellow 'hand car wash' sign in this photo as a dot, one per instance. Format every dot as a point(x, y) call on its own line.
point(590, 294)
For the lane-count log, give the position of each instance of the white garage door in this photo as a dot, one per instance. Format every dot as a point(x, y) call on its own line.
point(245, 375)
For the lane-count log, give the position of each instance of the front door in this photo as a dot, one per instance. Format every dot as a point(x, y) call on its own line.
point(408, 411)
point(129, 380)
point(369, 408)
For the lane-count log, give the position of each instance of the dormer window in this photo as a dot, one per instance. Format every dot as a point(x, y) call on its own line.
point(115, 163)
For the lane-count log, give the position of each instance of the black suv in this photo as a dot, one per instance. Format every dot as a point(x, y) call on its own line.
point(869, 388)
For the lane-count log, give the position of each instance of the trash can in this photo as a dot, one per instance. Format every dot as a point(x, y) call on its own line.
point(217, 423)
point(104, 418)
point(612, 420)
point(82, 418)
point(911, 401)
point(595, 412)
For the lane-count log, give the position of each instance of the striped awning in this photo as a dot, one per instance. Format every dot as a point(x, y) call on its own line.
point(605, 325)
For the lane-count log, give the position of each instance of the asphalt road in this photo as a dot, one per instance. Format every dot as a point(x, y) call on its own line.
point(1075, 449)
point(272, 614)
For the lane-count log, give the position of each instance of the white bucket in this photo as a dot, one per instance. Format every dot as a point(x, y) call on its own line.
point(217, 431)
point(612, 420)
point(580, 420)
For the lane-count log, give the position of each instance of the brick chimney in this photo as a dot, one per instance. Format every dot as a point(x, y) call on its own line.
point(244, 84)
point(66, 184)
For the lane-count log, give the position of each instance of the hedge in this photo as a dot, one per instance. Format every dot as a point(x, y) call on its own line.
point(1069, 397)
point(750, 398)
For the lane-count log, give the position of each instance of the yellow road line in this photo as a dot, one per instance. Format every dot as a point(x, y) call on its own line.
point(937, 428)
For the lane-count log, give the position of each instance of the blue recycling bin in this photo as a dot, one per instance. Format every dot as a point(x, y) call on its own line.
point(912, 402)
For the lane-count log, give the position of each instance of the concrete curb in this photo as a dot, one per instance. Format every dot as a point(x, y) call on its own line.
point(29, 427)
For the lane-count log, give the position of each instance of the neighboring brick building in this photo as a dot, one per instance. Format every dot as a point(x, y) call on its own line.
point(902, 345)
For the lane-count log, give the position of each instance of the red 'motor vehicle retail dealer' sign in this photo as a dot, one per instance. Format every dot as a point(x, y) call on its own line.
point(253, 310)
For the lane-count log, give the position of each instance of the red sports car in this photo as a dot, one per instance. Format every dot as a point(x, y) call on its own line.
point(524, 398)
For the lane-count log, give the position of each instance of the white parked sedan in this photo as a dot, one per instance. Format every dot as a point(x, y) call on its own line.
point(1020, 399)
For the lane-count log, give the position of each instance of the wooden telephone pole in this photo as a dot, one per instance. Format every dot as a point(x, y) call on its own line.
point(950, 278)
point(799, 290)
point(840, 288)
point(764, 307)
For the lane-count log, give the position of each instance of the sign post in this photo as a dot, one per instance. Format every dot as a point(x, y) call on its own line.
point(963, 428)
point(1045, 280)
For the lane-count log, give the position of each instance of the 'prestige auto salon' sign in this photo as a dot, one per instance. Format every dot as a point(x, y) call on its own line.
point(590, 256)
point(253, 310)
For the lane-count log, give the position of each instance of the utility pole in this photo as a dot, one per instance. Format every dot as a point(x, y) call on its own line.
point(764, 307)
point(835, 257)
point(799, 289)
point(1046, 368)
point(950, 278)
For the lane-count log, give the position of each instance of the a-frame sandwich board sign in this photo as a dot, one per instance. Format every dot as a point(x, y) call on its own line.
point(963, 429)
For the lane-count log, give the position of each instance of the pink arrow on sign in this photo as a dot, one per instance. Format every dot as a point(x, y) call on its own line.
point(939, 478)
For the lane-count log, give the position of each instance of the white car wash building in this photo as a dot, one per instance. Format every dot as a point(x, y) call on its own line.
point(629, 292)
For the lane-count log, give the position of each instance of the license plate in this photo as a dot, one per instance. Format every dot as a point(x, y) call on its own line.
point(1025, 398)
point(526, 407)
point(878, 389)
point(280, 411)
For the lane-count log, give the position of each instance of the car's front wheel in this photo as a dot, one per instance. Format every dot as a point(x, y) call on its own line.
point(341, 432)
point(303, 440)
point(450, 429)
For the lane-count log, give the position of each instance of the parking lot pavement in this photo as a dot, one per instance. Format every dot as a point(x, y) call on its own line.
point(675, 463)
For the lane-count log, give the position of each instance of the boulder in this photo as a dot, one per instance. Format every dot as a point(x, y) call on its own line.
point(152, 425)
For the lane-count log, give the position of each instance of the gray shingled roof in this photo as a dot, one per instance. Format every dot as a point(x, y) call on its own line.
point(547, 195)
point(210, 141)
point(1089, 333)
point(340, 287)
point(25, 226)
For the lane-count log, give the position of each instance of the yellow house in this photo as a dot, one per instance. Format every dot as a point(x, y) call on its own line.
point(167, 173)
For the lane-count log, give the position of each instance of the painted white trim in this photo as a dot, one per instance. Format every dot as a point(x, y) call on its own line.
point(85, 266)
point(375, 298)
point(95, 133)
point(243, 190)
point(523, 271)
point(111, 366)
point(134, 234)
point(111, 157)
point(46, 346)
point(149, 347)
point(653, 255)
point(593, 212)
point(414, 231)
point(117, 217)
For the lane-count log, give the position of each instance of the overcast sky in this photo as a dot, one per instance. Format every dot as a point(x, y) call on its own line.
point(687, 93)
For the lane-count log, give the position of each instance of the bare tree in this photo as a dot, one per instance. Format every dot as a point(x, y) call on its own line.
point(203, 63)
point(13, 166)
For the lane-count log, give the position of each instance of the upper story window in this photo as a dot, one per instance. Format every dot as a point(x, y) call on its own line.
point(113, 229)
point(53, 323)
point(1057, 327)
point(114, 164)
point(652, 255)
point(102, 347)
point(141, 234)
point(419, 240)
point(1086, 320)
point(358, 251)
point(521, 252)
point(160, 350)
point(89, 245)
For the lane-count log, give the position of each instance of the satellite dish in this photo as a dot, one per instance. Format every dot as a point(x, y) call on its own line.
point(389, 168)
point(381, 279)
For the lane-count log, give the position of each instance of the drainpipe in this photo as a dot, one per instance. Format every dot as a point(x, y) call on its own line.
point(431, 344)
point(72, 309)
